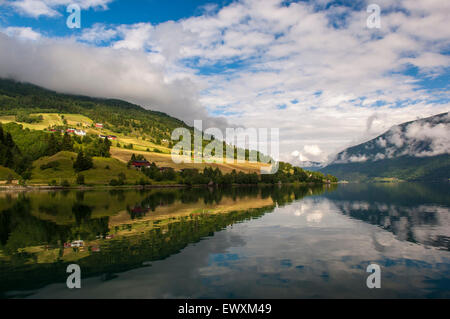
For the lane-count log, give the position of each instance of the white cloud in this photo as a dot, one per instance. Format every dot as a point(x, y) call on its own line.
point(437, 135)
point(70, 67)
point(25, 33)
point(347, 81)
point(34, 8)
point(98, 33)
point(37, 8)
point(312, 149)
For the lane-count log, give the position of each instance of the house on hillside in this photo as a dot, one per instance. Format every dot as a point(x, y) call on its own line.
point(112, 137)
point(70, 130)
point(102, 136)
point(140, 164)
point(80, 132)
point(98, 125)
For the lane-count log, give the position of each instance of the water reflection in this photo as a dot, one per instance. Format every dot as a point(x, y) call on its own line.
point(274, 242)
point(413, 212)
point(106, 232)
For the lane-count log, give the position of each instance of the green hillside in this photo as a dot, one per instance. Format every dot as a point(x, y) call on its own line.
point(6, 173)
point(403, 168)
point(61, 139)
point(120, 116)
point(104, 170)
point(136, 128)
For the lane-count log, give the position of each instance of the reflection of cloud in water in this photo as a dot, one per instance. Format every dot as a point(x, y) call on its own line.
point(281, 256)
point(425, 224)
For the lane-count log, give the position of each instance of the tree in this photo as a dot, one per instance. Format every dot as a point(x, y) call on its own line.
point(65, 183)
point(67, 143)
point(9, 141)
point(122, 178)
point(53, 146)
point(80, 179)
point(82, 163)
point(9, 179)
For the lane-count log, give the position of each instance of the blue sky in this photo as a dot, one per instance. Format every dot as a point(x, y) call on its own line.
point(118, 12)
point(313, 69)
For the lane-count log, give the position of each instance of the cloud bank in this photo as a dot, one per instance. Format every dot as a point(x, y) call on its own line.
point(422, 138)
point(312, 69)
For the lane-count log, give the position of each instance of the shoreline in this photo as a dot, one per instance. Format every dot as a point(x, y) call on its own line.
point(5, 188)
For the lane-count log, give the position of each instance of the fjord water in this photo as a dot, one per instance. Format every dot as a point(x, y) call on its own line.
point(268, 242)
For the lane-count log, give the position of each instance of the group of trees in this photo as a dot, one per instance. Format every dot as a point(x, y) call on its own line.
point(24, 117)
point(19, 147)
point(83, 162)
point(290, 174)
point(94, 146)
point(209, 175)
point(120, 116)
point(57, 143)
point(10, 155)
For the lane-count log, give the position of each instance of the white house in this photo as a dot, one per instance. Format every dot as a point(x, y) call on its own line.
point(80, 132)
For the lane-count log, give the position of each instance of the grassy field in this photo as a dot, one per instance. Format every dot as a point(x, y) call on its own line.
point(51, 119)
point(104, 170)
point(165, 160)
point(5, 172)
point(81, 121)
point(140, 146)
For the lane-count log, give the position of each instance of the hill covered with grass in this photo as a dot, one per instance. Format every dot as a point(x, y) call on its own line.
point(59, 167)
point(61, 139)
point(120, 116)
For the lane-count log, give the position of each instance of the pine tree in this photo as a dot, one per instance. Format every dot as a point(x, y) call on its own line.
point(82, 163)
point(2, 136)
point(9, 141)
point(53, 145)
point(67, 143)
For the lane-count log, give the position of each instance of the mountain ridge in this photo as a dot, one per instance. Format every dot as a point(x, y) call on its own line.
point(413, 150)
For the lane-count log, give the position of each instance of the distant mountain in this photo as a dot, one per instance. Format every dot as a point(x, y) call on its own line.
point(416, 150)
point(310, 165)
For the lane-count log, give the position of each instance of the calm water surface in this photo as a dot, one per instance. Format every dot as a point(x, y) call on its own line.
point(270, 242)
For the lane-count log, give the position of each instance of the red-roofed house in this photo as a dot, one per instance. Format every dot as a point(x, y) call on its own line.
point(140, 164)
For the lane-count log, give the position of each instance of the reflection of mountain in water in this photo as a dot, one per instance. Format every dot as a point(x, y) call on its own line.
point(413, 212)
point(34, 228)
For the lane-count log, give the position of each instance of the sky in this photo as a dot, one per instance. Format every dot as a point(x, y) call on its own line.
point(313, 69)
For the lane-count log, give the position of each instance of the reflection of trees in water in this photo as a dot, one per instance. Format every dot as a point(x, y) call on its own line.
point(18, 217)
point(81, 213)
point(86, 227)
point(128, 252)
point(119, 194)
point(19, 229)
point(80, 196)
point(137, 211)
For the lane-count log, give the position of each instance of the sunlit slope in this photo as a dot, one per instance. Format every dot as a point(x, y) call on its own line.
point(154, 153)
point(165, 160)
point(104, 170)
